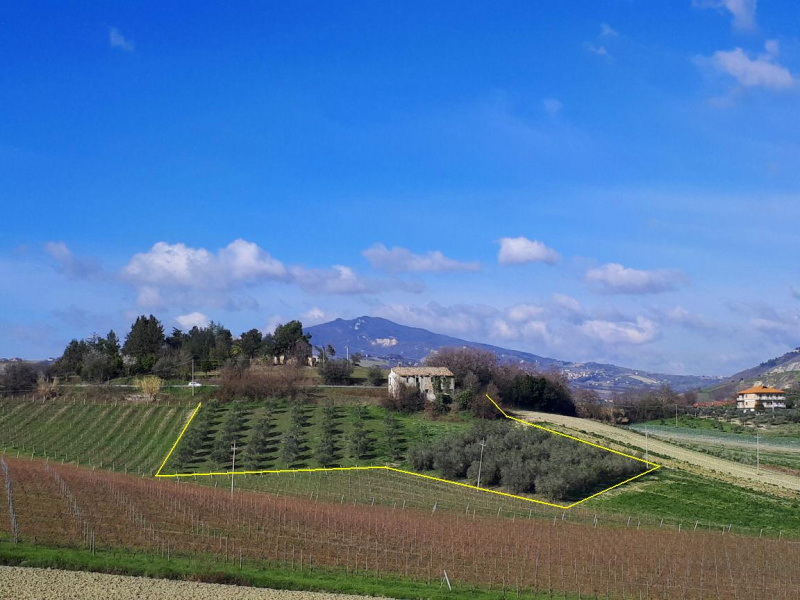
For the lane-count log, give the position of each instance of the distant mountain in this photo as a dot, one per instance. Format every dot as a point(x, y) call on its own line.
point(782, 371)
point(391, 344)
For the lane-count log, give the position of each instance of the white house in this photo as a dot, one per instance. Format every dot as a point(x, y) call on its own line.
point(768, 398)
point(426, 379)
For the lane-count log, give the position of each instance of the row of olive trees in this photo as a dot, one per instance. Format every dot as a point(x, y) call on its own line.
point(523, 460)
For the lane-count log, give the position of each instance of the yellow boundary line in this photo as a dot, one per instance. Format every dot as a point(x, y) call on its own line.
point(653, 465)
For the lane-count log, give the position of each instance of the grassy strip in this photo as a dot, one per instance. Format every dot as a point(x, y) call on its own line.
point(262, 575)
point(682, 496)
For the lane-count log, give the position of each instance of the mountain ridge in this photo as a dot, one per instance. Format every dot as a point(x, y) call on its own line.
point(390, 343)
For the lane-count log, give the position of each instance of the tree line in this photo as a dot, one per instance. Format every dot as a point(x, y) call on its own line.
point(148, 350)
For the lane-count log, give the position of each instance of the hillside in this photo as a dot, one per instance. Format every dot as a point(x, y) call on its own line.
point(392, 344)
point(782, 371)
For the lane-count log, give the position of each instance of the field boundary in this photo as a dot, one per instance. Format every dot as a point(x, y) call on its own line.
point(653, 466)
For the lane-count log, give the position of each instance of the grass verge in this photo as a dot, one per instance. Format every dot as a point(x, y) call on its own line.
point(261, 575)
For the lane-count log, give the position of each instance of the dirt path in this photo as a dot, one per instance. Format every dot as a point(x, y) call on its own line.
point(704, 461)
point(22, 583)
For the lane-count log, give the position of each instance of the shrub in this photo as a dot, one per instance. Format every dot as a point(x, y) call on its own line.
point(149, 386)
point(464, 400)
point(375, 376)
point(336, 371)
point(259, 382)
point(406, 399)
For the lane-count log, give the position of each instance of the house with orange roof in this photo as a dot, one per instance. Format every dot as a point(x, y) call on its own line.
point(761, 396)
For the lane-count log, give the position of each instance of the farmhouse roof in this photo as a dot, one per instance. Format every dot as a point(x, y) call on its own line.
point(422, 371)
point(761, 389)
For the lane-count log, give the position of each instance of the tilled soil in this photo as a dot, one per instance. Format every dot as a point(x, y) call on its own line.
point(23, 583)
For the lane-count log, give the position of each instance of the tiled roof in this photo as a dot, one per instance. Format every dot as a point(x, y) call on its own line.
point(422, 371)
point(761, 389)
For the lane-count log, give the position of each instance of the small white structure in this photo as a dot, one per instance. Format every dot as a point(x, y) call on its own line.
point(426, 379)
point(767, 396)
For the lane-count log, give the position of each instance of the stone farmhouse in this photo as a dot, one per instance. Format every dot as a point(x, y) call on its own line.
point(768, 398)
point(426, 379)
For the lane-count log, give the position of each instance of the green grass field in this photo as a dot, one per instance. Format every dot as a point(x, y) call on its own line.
point(255, 574)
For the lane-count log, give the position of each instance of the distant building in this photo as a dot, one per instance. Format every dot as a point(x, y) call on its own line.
point(768, 398)
point(426, 379)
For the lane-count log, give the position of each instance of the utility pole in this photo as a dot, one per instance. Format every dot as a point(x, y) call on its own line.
point(646, 455)
point(347, 352)
point(480, 464)
point(233, 466)
point(192, 378)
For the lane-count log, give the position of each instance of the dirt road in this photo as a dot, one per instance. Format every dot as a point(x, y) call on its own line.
point(744, 473)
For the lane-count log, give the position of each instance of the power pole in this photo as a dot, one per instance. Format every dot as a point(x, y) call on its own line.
point(480, 464)
point(646, 455)
point(192, 378)
point(347, 352)
point(233, 466)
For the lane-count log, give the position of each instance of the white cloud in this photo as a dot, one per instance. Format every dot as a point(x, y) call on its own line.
point(678, 315)
point(743, 11)
point(177, 265)
point(521, 250)
point(607, 31)
point(641, 331)
point(761, 71)
point(172, 274)
point(525, 312)
point(402, 259)
point(772, 47)
point(195, 319)
point(596, 49)
point(613, 278)
point(552, 106)
point(71, 265)
point(315, 314)
point(340, 279)
point(117, 40)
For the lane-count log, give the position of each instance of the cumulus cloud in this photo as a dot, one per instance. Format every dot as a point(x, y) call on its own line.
point(613, 278)
point(72, 266)
point(402, 259)
point(760, 71)
point(743, 11)
point(173, 274)
point(521, 250)
point(117, 40)
point(179, 265)
point(195, 319)
point(640, 331)
point(315, 315)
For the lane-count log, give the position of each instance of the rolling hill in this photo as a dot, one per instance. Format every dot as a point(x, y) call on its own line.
point(393, 344)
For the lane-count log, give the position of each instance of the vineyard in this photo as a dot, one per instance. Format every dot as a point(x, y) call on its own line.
point(67, 506)
point(117, 435)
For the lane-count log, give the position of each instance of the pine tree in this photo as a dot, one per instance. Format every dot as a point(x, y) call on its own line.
point(144, 343)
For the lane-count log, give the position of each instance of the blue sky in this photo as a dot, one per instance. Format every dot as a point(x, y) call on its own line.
point(610, 181)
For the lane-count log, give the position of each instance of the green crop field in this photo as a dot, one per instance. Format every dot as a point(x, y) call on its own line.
point(135, 437)
point(118, 435)
point(209, 426)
